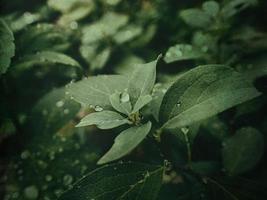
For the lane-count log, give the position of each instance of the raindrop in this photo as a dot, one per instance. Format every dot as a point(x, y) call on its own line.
point(31, 192)
point(66, 111)
point(178, 104)
point(67, 179)
point(60, 104)
point(74, 25)
point(44, 112)
point(124, 97)
point(25, 154)
point(98, 108)
point(48, 178)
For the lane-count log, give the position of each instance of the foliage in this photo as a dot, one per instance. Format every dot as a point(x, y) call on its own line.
point(149, 100)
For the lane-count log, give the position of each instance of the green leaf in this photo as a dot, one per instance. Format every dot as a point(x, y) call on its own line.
point(211, 7)
point(46, 57)
point(7, 46)
point(142, 80)
point(203, 92)
point(127, 33)
point(196, 18)
point(206, 167)
point(141, 102)
point(125, 142)
point(182, 52)
point(118, 181)
point(233, 7)
point(102, 28)
point(121, 102)
point(104, 120)
point(95, 91)
point(242, 151)
point(52, 112)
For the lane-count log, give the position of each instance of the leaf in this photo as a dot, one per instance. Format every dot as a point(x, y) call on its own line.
point(104, 120)
point(233, 7)
point(118, 181)
point(125, 142)
point(203, 92)
point(46, 57)
point(102, 28)
point(142, 80)
point(242, 151)
point(206, 167)
point(95, 91)
point(211, 7)
point(127, 33)
point(141, 102)
point(97, 58)
point(121, 102)
point(182, 52)
point(52, 112)
point(196, 18)
point(7, 46)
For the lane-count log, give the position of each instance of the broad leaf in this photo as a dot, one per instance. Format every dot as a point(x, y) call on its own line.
point(142, 80)
point(118, 181)
point(127, 33)
point(233, 7)
point(121, 102)
point(103, 120)
point(196, 18)
point(242, 151)
point(211, 7)
point(52, 112)
point(46, 57)
point(102, 28)
point(7, 46)
point(125, 142)
point(141, 102)
point(182, 52)
point(95, 91)
point(203, 92)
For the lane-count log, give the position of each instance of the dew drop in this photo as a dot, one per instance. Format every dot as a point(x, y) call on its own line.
point(178, 104)
point(48, 178)
point(66, 111)
point(98, 108)
point(124, 97)
point(74, 25)
point(67, 179)
point(25, 154)
point(60, 104)
point(31, 192)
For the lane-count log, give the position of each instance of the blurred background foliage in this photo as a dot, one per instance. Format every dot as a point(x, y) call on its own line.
point(58, 41)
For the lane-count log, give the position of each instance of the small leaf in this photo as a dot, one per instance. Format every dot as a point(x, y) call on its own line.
point(46, 57)
point(103, 120)
point(125, 142)
point(97, 90)
point(118, 181)
point(141, 102)
point(102, 28)
point(203, 92)
point(233, 7)
point(7, 46)
point(242, 151)
point(182, 52)
point(196, 18)
point(142, 80)
point(118, 104)
point(211, 7)
point(127, 33)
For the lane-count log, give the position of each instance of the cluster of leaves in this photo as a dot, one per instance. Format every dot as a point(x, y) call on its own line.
point(188, 125)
